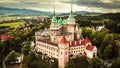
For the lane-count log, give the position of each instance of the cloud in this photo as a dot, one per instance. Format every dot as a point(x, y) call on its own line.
point(109, 4)
point(64, 5)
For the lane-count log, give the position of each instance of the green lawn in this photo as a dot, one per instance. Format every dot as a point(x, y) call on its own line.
point(12, 24)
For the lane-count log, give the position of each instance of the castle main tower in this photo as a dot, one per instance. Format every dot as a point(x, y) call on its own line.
point(71, 23)
point(63, 55)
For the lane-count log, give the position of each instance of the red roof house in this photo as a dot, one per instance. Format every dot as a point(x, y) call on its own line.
point(90, 47)
point(5, 37)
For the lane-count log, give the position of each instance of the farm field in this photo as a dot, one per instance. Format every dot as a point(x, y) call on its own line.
point(15, 17)
point(12, 24)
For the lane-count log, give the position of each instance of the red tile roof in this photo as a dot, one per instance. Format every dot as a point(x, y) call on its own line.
point(63, 40)
point(90, 47)
point(87, 40)
point(80, 42)
point(83, 42)
point(77, 43)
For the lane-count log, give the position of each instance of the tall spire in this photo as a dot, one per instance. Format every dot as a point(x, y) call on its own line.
point(54, 18)
point(71, 16)
point(71, 9)
point(54, 9)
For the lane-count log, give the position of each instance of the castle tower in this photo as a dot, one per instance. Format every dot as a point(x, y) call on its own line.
point(78, 33)
point(53, 28)
point(71, 23)
point(63, 55)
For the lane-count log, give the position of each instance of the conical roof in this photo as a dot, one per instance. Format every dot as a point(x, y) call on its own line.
point(63, 40)
point(54, 19)
point(71, 17)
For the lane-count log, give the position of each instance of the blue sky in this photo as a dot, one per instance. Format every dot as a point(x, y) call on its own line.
point(64, 5)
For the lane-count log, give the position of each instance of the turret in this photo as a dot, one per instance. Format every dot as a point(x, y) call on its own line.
point(71, 19)
point(63, 54)
point(78, 33)
point(54, 18)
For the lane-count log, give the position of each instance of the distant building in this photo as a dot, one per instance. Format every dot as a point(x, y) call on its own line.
point(62, 39)
point(98, 28)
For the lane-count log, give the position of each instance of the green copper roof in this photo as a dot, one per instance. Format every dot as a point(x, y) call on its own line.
point(64, 22)
point(54, 19)
point(71, 17)
point(60, 21)
point(80, 30)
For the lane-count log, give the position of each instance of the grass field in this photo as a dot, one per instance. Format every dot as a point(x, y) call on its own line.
point(15, 17)
point(12, 24)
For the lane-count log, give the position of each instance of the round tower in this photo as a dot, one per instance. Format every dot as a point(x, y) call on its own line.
point(78, 33)
point(63, 55)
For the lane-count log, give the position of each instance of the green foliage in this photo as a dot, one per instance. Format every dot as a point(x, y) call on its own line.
point(12, 24)
point(95, 62)
point(70, 64)
point(86, 32)
point(12, 56)
point(113, 26)
point(25, 49)
point(99, 51)
point(78, 62)
point(116, 63)
point(107, 52)
point(33, 61)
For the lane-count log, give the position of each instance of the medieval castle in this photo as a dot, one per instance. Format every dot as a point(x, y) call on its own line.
point(62, 39)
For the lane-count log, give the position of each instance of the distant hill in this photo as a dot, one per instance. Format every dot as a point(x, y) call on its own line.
point(17, 11)
point(82, 12)
point(86, 12)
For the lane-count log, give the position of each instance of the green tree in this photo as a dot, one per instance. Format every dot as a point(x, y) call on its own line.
point(25, 49)
point(11, 56)
point(116, 63)
point(107, 52)
point(86, 32)
point(99, 50)
point(95, 62)
point(27, 60)
point(70, 64)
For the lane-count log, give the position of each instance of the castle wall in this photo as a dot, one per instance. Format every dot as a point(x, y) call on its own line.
point(76, 50)
point(49, 50)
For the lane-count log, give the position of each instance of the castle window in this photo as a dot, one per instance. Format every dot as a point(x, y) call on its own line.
point(66, 53)
point(61, 53)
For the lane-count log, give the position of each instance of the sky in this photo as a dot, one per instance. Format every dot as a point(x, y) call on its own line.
point(105, 6)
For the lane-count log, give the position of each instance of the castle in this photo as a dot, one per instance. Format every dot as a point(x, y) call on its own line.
point(62, 39)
